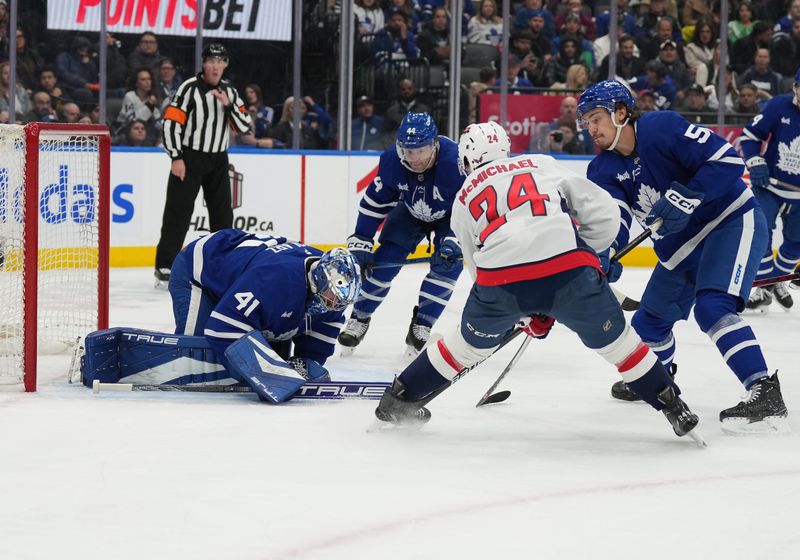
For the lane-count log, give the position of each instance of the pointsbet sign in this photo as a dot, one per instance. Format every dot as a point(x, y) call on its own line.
point(269, 20)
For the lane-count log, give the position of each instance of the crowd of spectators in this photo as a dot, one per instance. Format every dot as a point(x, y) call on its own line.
point(667, 51)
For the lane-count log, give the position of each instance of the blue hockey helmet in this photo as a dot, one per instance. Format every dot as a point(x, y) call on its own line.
point(417, 141)
point(335, 281)
point(605, 94)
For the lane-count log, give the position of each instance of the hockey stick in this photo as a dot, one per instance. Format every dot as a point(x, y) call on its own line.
point(489, 396)
point(323, 390)
point(389, 264)
point(776, 279)
point(629, 304)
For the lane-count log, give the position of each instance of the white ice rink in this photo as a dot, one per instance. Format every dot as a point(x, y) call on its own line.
point(559, 471)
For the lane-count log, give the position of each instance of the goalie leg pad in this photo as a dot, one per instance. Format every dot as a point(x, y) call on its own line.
point(253, 360)
point(149, 357)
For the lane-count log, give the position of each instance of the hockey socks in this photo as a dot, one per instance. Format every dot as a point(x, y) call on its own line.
point(420, 378)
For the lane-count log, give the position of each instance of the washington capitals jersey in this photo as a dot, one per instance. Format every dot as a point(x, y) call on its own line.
point(778, 123)
point(670, 148)
point(259, 283)
point(428, 195)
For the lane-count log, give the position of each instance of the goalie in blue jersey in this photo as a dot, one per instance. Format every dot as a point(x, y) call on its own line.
point(417, 180)
point(775, 177)
point(685, 183)
point(248, 308)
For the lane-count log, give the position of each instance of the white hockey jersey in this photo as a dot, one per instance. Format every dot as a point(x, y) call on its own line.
point(528, 217)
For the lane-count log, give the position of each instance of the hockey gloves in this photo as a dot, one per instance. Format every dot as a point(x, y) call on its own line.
point(361, 249)
point(759, 172)
point(674, 208)
point(611, 268)
point(448, 256)
point(537, 326)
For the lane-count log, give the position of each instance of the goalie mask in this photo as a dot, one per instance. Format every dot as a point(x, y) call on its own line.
point(334, 281)
point(417, 142)
point(606, 95)
point(480, 144)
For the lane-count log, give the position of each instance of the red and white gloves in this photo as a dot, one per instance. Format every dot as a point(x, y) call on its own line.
point(537, 326)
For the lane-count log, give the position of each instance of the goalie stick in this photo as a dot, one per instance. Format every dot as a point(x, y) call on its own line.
point(489, 397)
point(323, 390)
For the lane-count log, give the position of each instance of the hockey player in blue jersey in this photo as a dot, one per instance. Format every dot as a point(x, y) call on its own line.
point(414, 190)
point(775, 178)
point(684, 182)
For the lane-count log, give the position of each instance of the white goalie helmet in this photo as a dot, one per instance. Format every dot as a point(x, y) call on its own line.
point(480, 144)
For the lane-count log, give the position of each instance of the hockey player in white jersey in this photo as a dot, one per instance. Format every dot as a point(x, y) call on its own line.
point(530, 230)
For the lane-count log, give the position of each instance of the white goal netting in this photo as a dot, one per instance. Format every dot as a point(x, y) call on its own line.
point(66, 226)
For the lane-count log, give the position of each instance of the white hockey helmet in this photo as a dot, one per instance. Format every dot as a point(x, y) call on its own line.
point(480, 144)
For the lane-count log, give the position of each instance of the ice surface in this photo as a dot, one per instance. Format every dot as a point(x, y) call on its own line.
point(560, 470)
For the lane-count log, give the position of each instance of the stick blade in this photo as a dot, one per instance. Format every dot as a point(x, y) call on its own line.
point(629, 304)
point(500, 396)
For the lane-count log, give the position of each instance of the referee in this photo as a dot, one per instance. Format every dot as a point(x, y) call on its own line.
point(196, 125)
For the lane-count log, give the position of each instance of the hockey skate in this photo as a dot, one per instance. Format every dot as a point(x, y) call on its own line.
point(353, 334)
point(162, 277)
point(682, 420)
point(417, 336)
point(782, 296)
point(395, 411)
point(761, 412)
point(620, 391)
point(760, 300)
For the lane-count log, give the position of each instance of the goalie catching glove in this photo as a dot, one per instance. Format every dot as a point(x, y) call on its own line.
point(537, 326)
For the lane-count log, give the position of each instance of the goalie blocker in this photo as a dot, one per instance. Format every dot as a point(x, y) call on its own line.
point(141, 357)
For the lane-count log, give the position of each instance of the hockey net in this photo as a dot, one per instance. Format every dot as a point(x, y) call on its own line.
point(53, 242)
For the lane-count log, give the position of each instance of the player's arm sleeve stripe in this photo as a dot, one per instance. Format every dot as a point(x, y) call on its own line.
point(722, 150)
point(175, 114)
point(232, 322)
point(374, 204)
point(750, 135)
point(624, 209)
point(226, 335)
point(371, 214)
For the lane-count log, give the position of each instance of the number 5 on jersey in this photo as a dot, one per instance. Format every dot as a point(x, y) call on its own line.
point(521, 191)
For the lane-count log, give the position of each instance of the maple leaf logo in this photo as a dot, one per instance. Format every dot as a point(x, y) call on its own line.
point(789, 157)
point(646, 198)
point(421, 211)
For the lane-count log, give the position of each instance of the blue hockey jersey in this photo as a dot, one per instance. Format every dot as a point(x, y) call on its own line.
point(779, 123)
point(259, 283)
point(428, 195)
point(670, 148)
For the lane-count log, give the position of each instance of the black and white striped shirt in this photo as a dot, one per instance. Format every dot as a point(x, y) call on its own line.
point(197, 120)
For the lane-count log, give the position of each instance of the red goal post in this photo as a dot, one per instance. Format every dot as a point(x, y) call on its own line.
point(54, 242)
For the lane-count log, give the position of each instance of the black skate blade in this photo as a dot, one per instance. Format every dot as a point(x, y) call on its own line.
point(500, 396)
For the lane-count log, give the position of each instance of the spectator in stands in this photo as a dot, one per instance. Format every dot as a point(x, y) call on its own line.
point(654, 12)
point(77, 70)
point(564, 139)
point(747, 104)
point(94, 114)
point(785, 50)
point(117, 73)
point(42, 111)
point(628, 64)
point(485, 27)
point(434, 39)
point(369, 16)
point(650, 43)
point(28, 61)
point(761, 75)
point(568, 113)
point(731, 93)
point(407, 102)
point(743, 51)
point(540, 42)
point(142, 102)
point(168, 80)
point(4, 33)
point(411, 9)
point(657, 81)
point(742, 25)
point(585, 23)
point(136, 134)
point(521, 55)
point(786, 23)
point(601, 47)
point(83, 118)
point(367, 129)
point(646, 101)
point(320, 122)
point(577, 77)
point(625, 21)
point(261, 114)
point(527, 10)
point(668, 56)
point(701, 49)
point(309, 137)
point(395, 41)
point(694, 102)
point(555, 71)
point(22, 102)
point(429, 6)
point(70, 113)
point(486, 80)
point(571, 29)
point(516, 80)
point(48, 82)
point(146, 54)
point(694, 11)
